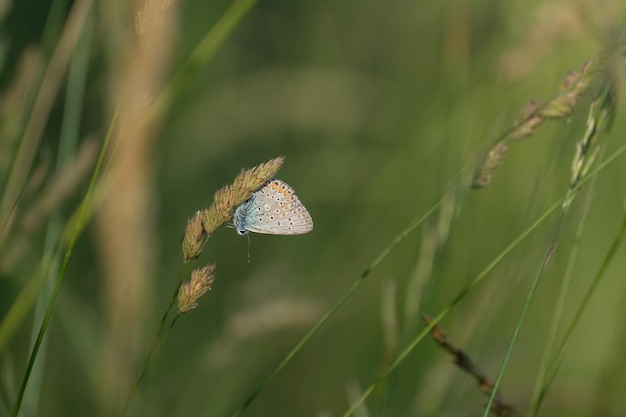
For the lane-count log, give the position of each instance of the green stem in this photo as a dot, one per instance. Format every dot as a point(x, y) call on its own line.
point(156, 346)
point(581, 309)
point(546, 260)
point(560, 303)
point(44, 324)
point(67, 146)
point(79, 225)
point(405, 353)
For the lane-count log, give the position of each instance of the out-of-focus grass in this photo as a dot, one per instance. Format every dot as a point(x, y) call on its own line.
point(376, 107)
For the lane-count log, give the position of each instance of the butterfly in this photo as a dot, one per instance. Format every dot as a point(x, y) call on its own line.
point(273, 209)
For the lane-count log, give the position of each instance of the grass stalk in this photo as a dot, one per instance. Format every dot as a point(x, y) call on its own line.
point(67, 146)
point(610, 256)
point(600, 117)
point(405, 353)
point(529, 296)
point(156, 346)
point(78, 226)
point(565, 284)
point(159, 339)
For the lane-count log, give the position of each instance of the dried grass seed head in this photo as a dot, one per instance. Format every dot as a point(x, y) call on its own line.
point(191, 245)
point(224, 202)
point(191, 291)
point(250, 180)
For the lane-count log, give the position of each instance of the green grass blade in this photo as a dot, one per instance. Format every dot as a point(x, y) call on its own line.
point(67, 147)
point(560, 302)
point(405, 353)
point(529, 296)
point(610, 256)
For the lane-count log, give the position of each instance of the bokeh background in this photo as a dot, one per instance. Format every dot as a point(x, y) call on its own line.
point(378, 108)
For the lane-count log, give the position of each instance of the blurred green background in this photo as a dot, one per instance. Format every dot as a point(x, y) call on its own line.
point(377, 106)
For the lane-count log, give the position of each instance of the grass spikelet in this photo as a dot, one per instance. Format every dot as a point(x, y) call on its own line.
point(526, 121)
point(534, 114)
point(191, 245)
point(211, 219)
point(601, 113)
point(250, 180)
point(191, 291)
point(492, 162)
point(574, 84)
point(223, 206)
point(572, 87)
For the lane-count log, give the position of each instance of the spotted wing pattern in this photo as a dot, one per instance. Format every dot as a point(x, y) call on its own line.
point(273, 209)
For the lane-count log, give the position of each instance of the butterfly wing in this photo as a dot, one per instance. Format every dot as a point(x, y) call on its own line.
point(276, 210)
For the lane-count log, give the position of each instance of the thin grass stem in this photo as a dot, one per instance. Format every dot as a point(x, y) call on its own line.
point(147, 362)
point(560, 303)
point(159, 337)
point(405, 353)
point(545, 261)
point(600, 116)
point(79, 225)
point(67, 147)
point(610, 256)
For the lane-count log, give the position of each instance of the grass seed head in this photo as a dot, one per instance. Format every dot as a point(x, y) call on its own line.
point(191, 291)
point(194, 234)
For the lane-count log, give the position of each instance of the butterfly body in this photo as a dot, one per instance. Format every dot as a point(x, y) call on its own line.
point(273, 209)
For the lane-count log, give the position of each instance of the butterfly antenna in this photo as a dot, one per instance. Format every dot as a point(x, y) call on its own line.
point(249, 257)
